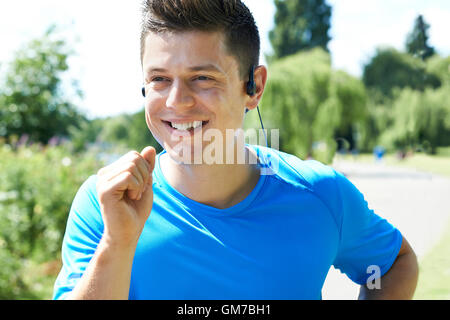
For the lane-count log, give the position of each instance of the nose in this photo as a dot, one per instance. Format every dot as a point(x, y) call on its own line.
point(180, 95)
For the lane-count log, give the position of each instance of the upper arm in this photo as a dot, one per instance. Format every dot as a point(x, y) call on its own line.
point(405, 248)
point(366, 239)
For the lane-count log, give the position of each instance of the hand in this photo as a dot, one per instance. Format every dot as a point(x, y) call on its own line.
point(126, 196)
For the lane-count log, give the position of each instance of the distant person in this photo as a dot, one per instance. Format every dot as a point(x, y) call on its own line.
point(378, 153)
point(158, 227)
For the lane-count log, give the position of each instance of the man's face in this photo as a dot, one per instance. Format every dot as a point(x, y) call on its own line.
point(192, 85)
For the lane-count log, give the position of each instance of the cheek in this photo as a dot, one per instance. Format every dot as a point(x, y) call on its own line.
point(152, 126)
point(154, 105)
point(220, 101)
point(151, 112)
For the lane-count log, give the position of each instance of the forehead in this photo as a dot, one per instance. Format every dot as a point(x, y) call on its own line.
point(186, 50)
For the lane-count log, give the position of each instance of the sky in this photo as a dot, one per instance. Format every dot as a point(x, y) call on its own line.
point(105, 36)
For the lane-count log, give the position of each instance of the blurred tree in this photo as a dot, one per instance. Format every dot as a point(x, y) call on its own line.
point(417, 40)
point(421, 120)
point(129, 131)
point(379, 119)
point(85, 133)
point(390, 69)
point(32, 101)
point(300, 24)
point(309, 103)
point(440, 67)
point(350, 94)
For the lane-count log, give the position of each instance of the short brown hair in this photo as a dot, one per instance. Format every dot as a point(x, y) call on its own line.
point(231, 17)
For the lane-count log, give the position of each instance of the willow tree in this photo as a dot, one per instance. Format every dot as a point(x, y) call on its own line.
point(308, 102)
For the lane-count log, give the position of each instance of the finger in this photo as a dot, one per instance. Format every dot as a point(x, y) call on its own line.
point(141, 163)
point(144, 168)
point(112, 166)
point(149, 154)
point(144, 205)
point(126, 184)
point(128, 157)
point(129, 167)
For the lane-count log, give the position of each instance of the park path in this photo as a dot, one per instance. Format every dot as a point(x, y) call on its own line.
point(417, 203)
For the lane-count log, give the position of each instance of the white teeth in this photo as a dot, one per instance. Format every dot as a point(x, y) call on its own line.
point(187, 125)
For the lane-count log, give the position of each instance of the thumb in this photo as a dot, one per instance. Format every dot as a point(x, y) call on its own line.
point(149, 153)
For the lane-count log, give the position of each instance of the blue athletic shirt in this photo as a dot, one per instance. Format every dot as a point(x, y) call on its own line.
point(278, 243)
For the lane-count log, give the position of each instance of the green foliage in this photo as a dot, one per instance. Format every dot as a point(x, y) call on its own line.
point(129, 131)
point(390, 69)
point(440, 67)
point(420, 120)
point(415, 117)
point(350, 95)
point(37, 189)
point(379, 119)
point(87, 133)
point(308, 103)
point(299, 25)
point(417, 40)
point(32, 101)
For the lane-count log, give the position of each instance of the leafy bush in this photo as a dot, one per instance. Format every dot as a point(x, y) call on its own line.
point(37, 187)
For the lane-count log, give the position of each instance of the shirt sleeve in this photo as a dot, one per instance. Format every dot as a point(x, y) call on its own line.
point(84, 230)
point(366, 239)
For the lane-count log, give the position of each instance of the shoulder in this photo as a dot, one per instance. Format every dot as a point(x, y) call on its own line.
point(311, 174)
point(87, 193)
point(321, 180)
point(85, 210)
point(90, 185)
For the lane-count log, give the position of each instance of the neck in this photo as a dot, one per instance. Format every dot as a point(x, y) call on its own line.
point(217, 185)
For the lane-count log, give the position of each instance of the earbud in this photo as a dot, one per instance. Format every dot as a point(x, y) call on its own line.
point(251, 87)
point(143, 91)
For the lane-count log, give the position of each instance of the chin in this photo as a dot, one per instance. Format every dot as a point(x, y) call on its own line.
point(185, 152)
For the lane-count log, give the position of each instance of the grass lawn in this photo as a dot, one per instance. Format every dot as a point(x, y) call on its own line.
point(434, 164)
point(434, 272)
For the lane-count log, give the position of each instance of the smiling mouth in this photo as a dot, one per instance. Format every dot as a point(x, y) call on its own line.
point(186, 126)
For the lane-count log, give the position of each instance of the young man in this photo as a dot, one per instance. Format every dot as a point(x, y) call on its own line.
point(174, 226)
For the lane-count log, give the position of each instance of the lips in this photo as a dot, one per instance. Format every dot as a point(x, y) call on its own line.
point(184, 128)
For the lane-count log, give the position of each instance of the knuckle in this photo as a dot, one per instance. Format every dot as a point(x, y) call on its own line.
point(128, 176)
point(131, 166)
point(131, 179)
point(134, 155)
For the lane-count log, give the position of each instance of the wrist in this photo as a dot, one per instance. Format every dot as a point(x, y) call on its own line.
point(117, 246)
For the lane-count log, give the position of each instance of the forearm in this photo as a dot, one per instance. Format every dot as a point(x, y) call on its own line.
point(108, 274)
point(399, 283)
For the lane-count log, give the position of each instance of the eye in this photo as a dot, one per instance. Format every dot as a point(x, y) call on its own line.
point(159, 82)
point(159, 79)
point(202, 78)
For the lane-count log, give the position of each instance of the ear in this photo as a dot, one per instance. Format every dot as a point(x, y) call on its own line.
point(260, 78)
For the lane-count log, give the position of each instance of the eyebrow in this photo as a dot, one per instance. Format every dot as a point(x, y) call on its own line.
point(206, 67)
